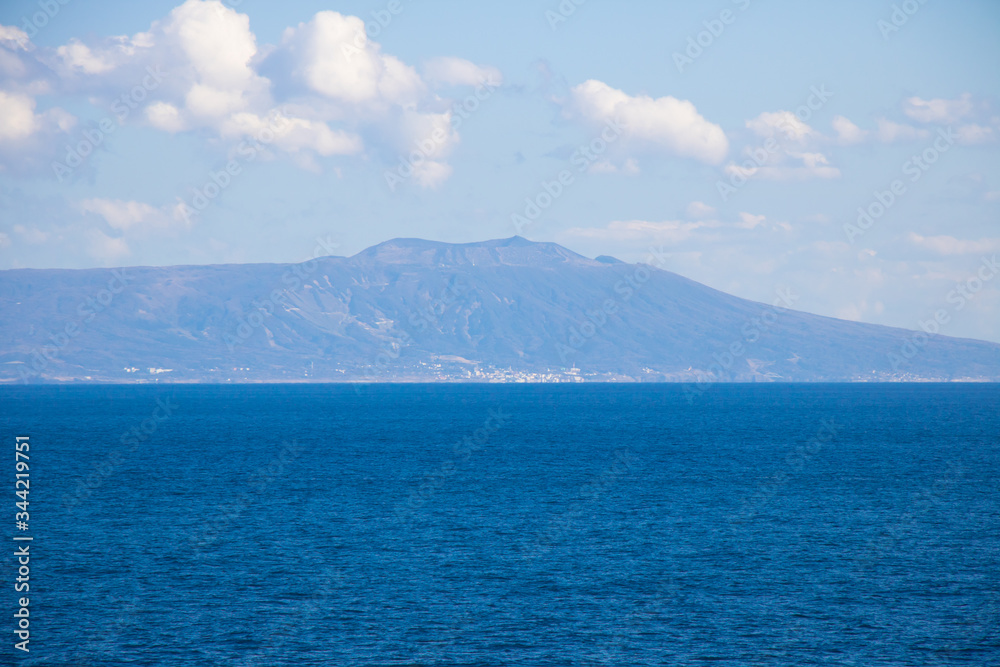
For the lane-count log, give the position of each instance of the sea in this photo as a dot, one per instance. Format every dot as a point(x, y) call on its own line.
point(506, 524)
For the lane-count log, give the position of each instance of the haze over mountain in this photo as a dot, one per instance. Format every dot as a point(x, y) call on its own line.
point(410, 309)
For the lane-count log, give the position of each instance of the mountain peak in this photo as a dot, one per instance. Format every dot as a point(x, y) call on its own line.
point(513, 251)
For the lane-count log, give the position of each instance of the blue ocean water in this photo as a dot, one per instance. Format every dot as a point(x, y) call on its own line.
point(510, 524)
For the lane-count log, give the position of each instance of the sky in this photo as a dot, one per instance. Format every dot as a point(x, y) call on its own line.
point(845, 151)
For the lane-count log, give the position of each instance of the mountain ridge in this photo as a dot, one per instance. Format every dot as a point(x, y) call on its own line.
point(408, 309)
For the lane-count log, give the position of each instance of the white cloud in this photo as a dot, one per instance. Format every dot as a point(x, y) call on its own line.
point(164, 116)
point(131, 217)
point(27, 138)
point(975, 134)
point(699, 210)
point(210, 48)
point(431, 174)
point(847, 132)
point(938, 110)
point(749, 220)
point(106, 248)
point(293, 134)
point(664, 124)
point(460, 72)
point(630, 167)
point(77, 56)
point(813, 165)
point(949, 245)
point(30, 234)
point(889, 132)
point(333, 56)
point(14, 38)
point(771, 123)
point(217, 42)
point(788, 154)
point(4, 240)
point(123, 215)
point(17, 116)
point(338, 92)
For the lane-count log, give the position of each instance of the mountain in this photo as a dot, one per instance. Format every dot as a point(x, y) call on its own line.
point(410, 309)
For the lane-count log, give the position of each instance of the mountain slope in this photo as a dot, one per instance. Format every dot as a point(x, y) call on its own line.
point(413, 309)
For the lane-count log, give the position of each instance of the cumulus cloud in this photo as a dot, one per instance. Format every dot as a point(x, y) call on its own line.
point(699, 210)
point(972, 134)
point(459, 72)
point(78, 57)
point(17, 116)
point(132, 219)
point(292, 134)
point(209, 48)
point(976, 127)
point(107, 249)
point(787, 166)
point(27, 137)
point(31, 235)
point(889, 132)
point(665, 124)
point(789, 150)
point(783, 124)
point(332, 56)
point(337, 91)
point(13, 37)
point(124, 215)
point(749, 220)
point(847, 132)
point(941, 111)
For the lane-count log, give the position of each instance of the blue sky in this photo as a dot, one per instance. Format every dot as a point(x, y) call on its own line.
point(745, 158)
